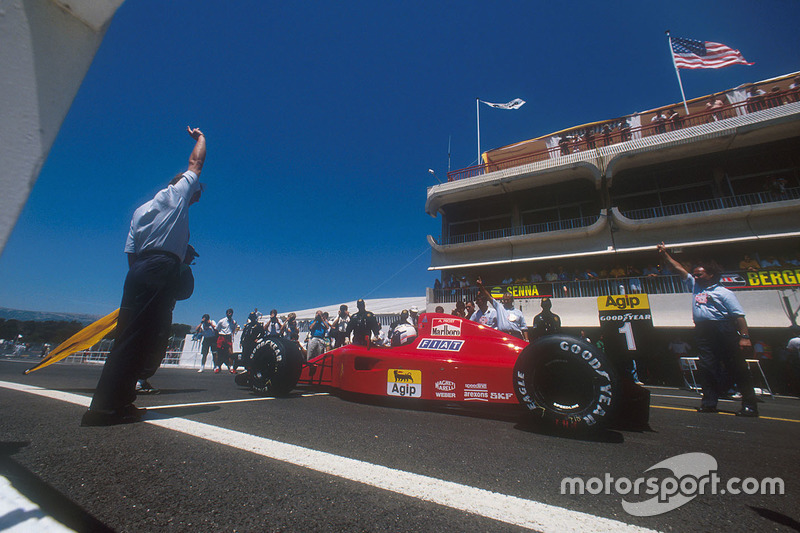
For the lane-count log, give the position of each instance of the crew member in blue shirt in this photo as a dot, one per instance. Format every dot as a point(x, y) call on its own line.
point(157, 244)
point(722, 336)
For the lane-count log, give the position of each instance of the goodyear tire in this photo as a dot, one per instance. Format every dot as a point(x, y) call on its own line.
point(567, 383)
point(275, 366)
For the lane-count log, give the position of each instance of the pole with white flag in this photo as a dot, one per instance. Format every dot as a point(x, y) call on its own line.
point(516, 103)
point(677, 72)
point(478, 117)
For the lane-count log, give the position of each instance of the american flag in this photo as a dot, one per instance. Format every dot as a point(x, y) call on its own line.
point(692, 54)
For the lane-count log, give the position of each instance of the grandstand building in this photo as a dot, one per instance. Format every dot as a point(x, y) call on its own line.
point(722, 182)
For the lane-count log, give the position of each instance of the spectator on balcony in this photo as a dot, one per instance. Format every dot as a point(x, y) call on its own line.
point(715, 105)
point(659, 121)
point(665, 270)
point(776, 97)
point(563, 275)
point(674, 118)
point(617, 272)
point(536, 277)
point(508, 280)
point(588, 274)
point(550, 275)
point(563, 145)
point(602, 273)
point(624, 131)
point(776, 186)
point(589, 138)
point(463, 283)
point(770, 262)
point(450, 283)
point(521, 280)
point(795, 261)
point(437, 285)
point(794, 90)
point(606, 132)
point(749, 264)
point(755, 99)
point(650, 271)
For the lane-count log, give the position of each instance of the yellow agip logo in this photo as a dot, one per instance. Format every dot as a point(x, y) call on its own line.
point(623, 302)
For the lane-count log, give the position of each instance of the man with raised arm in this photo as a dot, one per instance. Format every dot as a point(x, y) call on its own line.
point(157, 244)
point(722, 337)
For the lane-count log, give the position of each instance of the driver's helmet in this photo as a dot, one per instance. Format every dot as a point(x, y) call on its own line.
point(404, 334)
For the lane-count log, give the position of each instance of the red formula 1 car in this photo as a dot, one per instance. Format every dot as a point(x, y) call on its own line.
point(559, 380)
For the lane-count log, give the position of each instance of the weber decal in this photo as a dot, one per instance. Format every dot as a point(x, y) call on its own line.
point(445, 389)
point(405, 383)
point(446, 327)
point(445, 345)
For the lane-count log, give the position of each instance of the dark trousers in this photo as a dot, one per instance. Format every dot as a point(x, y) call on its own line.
point(145, 318)
point(722, 362)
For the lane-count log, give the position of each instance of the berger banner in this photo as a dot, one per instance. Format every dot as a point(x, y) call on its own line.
point(762, 279)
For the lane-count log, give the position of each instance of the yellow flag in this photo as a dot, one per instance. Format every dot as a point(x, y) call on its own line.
point(84, 339)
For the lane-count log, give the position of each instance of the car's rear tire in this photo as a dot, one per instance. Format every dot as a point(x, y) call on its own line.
point(567, 383)
point(275, 366)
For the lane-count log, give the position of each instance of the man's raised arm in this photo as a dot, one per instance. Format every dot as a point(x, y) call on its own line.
point(199, 152)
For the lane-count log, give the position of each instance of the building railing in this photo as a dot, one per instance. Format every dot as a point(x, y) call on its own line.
point(739, 200)
point(573, 143)
point(528, 229)
point(575, 289)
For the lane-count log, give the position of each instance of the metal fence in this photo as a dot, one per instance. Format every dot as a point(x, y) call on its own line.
point(542, 227)
point(620, 135)
point(578, 289)
point(726, 202)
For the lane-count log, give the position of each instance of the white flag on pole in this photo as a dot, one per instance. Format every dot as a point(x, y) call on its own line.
point(516, 103)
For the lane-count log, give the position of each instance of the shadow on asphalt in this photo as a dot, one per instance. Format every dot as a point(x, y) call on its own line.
point(161, 393)
point(157, 413)
point(50, 501)
point(778, 518)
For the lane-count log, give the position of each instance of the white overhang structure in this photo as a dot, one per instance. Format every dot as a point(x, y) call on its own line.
point(46, 48)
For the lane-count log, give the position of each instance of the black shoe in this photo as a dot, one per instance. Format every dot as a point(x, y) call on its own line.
point(112, 417)
point(707, 409)
point(144, 387)
point(748, 412)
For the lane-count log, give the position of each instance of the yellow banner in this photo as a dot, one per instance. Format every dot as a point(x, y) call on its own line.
point(83, 340)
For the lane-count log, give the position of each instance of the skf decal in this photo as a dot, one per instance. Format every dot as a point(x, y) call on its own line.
point(446, 327)
point(623, 303)
point(406, 383)
point(445, 345)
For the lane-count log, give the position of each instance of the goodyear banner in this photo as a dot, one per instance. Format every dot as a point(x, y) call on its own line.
point(762, 279)
point(626, 323)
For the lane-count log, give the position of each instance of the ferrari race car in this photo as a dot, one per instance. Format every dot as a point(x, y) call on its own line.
point(559, 380)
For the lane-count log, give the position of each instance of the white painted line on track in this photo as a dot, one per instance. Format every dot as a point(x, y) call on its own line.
point(20, 515)
point(220, 402)
point(509, 509)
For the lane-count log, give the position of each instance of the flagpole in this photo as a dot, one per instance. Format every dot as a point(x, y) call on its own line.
point(478, 119)
point(677, 72)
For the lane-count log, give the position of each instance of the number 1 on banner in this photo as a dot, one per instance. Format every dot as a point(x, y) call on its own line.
point(627, 330)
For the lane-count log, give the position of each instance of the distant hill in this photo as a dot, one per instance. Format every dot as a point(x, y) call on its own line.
point(44, 316)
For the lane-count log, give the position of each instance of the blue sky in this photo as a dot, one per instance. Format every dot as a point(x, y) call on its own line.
point(322, 119)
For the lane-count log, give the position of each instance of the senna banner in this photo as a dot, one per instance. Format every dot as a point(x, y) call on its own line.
point(762, 279)
point(526, 290)
point(83, 340)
